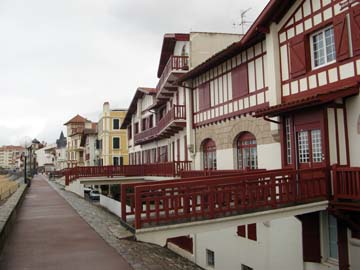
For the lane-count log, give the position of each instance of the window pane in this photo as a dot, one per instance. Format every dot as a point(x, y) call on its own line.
point(288, 140)
point(318, 48)
point(316, 145)
point(330, 45)
point(303, 143)
point(116, 124)
point(333, 247)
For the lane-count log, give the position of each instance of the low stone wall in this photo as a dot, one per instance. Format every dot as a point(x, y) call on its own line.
point(8, 213)
point(112, 205)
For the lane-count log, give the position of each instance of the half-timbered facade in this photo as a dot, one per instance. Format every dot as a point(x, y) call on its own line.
point(297, 70)
point(157, 117)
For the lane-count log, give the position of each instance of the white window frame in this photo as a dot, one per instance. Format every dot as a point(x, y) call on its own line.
point(113, 124)
point(324, 229)
point(325, 53)
point(208, 252)
point(113, 143)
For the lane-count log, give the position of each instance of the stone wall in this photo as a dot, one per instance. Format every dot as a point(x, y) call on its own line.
point(224, 134)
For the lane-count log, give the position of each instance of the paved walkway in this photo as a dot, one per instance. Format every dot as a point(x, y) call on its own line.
point(50, 234)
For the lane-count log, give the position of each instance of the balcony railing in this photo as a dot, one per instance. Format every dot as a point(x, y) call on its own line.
point(209, 197)
point(166, 169)
point(177, 112)
point(346, 183)
point(175, 63)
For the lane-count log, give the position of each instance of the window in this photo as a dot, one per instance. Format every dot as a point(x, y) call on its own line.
point(323, 47)
point(116, 124)
point(332, 243)
point(130, 132)
point(116, 143)
point(303, 143)
point(136, 128)
point(209, 154)
point(210, 258)
point(115, 161)
point(288, 140)
point(246, 151)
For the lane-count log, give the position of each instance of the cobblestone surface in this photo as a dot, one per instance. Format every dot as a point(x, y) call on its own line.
point(139, 255)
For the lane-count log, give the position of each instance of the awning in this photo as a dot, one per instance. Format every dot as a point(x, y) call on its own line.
point(310, 101)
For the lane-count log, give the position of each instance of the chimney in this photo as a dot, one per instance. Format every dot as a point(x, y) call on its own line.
point(106, 107)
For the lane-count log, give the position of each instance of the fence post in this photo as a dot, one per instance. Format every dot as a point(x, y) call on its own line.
point(334, 182)
point(273, 191)
point(211, 202)
point(123, 202)
point(138, 208)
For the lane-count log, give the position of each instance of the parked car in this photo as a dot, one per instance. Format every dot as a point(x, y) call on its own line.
point(87, 190)
point(94, 195)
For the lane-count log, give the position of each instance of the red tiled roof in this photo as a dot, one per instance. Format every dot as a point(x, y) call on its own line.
point(309, 101)
point(77, 119)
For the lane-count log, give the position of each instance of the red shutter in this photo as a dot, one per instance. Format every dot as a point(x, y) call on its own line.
point(241, 231)
point(297, 56)
point(204, 96)
point(355, 29)
point(311, 237)
point(240, 84)
point(341, 37)
point(252, 231)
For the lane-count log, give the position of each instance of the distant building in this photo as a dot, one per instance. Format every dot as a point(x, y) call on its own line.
point(45, 158)
point(8, 156)
point(75, 131)
point(61, 158)
point(88, 141)
point(112, 140)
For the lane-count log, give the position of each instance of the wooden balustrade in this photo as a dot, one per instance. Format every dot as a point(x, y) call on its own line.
point(174, 63)
point(346, 183)
point(177, 112)
point(166, 169)
point(213, 196)
point(197, 173)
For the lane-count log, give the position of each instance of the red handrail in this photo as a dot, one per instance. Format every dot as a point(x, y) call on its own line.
point(177, 112)
point(211, 197)
point(174, 63)
point(346, 183)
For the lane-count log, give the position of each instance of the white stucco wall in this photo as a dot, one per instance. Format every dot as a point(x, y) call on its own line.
point(112, 205)
point(76, 188)
point(278, 246)
point(354, 251)
point(353, 114)
point(269, 156)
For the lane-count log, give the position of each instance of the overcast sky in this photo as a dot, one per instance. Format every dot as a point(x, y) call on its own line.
point(61, 58)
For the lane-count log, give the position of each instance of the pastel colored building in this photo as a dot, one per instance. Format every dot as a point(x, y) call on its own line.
point(112, 140)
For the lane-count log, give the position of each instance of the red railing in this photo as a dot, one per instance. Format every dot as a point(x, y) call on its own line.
point(346, 183)
point(174, 63)
point(177, 112)
point(197, 173)
point(211, 197)
point(166, 169)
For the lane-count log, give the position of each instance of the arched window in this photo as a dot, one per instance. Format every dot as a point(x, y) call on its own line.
point(209, 154)
point(246, 151)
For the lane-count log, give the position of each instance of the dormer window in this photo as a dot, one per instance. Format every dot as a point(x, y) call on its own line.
point(323, 47)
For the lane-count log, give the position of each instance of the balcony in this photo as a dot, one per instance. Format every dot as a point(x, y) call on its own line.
point(346, 188)
point(172, 122)
point(165, 169)
point(175, 66)
point(210, 197)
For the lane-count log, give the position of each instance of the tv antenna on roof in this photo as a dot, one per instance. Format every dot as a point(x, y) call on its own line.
point(243, 21)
